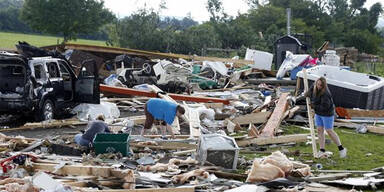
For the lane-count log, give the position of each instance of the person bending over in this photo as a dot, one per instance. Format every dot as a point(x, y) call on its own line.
point(164, 111)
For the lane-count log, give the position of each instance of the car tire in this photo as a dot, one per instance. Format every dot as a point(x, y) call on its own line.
point(47, 110)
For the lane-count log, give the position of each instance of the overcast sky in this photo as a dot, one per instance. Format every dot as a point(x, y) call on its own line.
point(180, 8)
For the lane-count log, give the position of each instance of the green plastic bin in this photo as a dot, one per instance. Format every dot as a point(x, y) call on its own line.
point(111, 143)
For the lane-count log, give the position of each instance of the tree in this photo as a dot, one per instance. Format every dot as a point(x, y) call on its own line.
point(9, 16)
point(67, 17)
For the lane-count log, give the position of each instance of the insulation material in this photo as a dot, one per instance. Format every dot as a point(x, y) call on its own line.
point(181, 179)
point(263, 60)
point(278, 159)
point(264, 172)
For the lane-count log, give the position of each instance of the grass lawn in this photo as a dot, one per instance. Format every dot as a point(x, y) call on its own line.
point(365, 151)
point(8, 40)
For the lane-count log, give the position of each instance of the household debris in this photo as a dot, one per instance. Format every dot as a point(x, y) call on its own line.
point(226, 119)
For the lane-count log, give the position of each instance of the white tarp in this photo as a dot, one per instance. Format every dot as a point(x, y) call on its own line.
point(291, 61)
point(86, 111)
point(218, 67)
point(263, 60)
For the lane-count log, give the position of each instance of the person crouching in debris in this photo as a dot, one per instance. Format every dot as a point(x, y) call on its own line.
point(164, 111)
point(322, 101)
point(93, 128)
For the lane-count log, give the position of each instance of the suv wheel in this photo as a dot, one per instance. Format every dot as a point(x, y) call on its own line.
point(47, 111)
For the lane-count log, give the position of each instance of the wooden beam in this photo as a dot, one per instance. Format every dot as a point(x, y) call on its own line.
point(47, 125)
point(167, 146)
point(350, 113)
point(181, 189)
point(310, 117)
point(254, 118)
point(81, 170)
point(370, 128)
point(329, 177)
point(272, 140)
point(276, 117)
point(121, 91)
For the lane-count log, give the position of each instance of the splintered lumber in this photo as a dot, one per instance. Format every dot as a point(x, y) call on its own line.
point(80, 170)
point(370, 128)
point(226, 175)
point(290, 113)
point(310, 117)
point(276, 117)
point(329, 177)
point(252, 131)
point(180, 189)
point(254, 118)
point(351, 113)
point(194, 122)
point(168, 145)
point(179, 97)
point(46, 125)
point(272, 140)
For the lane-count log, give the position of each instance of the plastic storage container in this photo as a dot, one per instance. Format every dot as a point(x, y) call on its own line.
point(349, 89)
point(111, 143)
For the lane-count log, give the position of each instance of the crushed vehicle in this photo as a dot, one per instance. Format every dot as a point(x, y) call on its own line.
point(44, 86)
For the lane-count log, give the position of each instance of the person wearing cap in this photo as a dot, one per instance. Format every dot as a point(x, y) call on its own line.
point(163, 111)
point(93, 128)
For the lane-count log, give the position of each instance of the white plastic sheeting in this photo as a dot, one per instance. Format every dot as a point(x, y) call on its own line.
point(291, 61)
point(86, 111)
point(263, 60)
point(217, 67)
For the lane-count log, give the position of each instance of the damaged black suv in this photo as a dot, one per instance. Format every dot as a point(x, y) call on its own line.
point(43, 86)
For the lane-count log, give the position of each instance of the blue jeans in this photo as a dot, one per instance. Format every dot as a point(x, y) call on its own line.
point(324, 121)
point(81, 141)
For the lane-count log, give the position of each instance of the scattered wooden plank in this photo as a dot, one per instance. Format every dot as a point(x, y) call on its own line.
point(272, 140)
point(81, 170)
point(370, 128)
point(47, 125)
point(290, 113)
point(350, 113)
point(181, 189)
point(121, 91)
point(329, 177)
point(276, 117)
point(254, 118)
point(310, 117)
point(194, 122)
point(226, 175)
point(252, 131)
point(167, 146)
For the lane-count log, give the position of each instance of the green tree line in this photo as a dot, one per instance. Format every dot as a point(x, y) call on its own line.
point(342, 22)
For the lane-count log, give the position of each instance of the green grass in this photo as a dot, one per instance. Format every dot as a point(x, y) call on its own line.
point(8, 40)
point(358, 145)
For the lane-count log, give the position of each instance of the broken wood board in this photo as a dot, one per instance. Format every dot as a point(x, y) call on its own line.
point(277, 116)
point(81, 170)
point(310, 117)
point(226, 175)
point(254, 118)
point(46, 125)
point(194, 121)
point(252, 131)
point(232, 127)
point(370, 128)
point(329, 177)
point(350, 113)
point(290, 113)
point(168, 145)
point(272, 140)
point(180, 189)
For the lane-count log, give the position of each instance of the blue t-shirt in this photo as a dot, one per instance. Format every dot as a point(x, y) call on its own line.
point(162, 109)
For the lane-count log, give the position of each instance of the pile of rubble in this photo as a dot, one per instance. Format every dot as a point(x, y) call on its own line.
point(226, 117)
